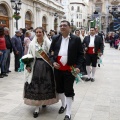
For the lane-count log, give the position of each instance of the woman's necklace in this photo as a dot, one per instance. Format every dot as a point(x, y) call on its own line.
point(40, 43)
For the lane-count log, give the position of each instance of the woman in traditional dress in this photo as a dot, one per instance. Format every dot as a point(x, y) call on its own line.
point(39, 87)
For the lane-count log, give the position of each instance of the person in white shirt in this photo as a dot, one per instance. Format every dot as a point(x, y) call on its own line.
point(93, 46)
point(82, 35)
point(66, 51)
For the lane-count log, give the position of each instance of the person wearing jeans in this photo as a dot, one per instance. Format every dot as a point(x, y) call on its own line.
point(8, 50)
point(2, 53)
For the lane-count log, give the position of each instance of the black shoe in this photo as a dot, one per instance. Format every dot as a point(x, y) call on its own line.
point(35, 114)
point(98, 65)
point(92, 79)
point(1, 76)
point(43, 106)
point(8, 71)
point(87, 79)
point(4, 74)
point(62, 109)
point(67, 117)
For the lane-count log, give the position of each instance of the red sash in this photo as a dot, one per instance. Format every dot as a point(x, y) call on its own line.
point(64, 68)
point(90, 50)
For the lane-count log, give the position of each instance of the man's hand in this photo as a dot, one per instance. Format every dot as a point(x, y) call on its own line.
point(77, 70)
point(1, 53)
point(28, 69)
point(86, 48)
point(56, 65)
point(17, 52)
point(100, 54)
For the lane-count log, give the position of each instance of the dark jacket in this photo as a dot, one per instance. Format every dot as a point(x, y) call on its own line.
point(75, 50)
point(98, 43)
point(8, 42)
point(17, 44)
point(99, 34)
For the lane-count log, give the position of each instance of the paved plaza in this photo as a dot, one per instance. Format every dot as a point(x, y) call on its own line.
point(99, 100)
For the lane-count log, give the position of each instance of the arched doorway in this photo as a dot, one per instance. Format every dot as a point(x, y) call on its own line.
point(44, 23)
point(28, 20)
point(4, 19)
point(55, 24)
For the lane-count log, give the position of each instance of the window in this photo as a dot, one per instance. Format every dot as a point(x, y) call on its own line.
point(77, 16)
point(78, 9)
point(79, 24)
point(72, 8)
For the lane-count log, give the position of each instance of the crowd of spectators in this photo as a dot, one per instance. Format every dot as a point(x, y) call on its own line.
point(113, 38)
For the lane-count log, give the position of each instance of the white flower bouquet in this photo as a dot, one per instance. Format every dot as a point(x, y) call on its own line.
point(27, 59)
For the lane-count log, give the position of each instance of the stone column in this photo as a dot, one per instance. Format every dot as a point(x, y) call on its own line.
point(38, 17)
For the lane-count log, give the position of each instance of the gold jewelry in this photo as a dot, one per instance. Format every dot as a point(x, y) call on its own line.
point(41, 43)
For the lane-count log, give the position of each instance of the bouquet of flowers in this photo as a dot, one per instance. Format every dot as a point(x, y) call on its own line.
point(99, 57)
point(78, 76)
point(26, 59)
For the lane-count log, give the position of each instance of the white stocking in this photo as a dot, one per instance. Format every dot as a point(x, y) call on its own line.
point(93, 71)
point(63, 99)
point(69, 104)
point(37, 109)
point(88, 71)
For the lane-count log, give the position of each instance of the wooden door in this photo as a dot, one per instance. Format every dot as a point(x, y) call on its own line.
point(4, 21)
point(28, 24)
point(44, 26)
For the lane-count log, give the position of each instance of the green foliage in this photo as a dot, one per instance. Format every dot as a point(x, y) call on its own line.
point(16, 16)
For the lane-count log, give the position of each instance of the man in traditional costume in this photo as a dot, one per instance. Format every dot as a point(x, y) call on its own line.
point(93, 45)
point(66, 51)
point(99, 34)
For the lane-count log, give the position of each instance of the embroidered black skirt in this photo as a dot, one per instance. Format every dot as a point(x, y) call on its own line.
point(41, 90)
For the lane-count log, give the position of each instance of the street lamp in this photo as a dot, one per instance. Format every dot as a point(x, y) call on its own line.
point(72, 24)
point(16, 5)
point(55, 21)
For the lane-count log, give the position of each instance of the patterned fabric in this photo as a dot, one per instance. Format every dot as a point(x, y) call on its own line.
point(42, 86)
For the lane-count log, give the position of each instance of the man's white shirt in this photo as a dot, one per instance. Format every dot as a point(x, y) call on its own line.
point(64, 50)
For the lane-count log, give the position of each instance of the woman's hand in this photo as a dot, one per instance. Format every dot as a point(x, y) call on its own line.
point(28, 69)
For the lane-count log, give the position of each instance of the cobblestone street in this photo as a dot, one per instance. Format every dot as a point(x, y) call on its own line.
point(99, 100)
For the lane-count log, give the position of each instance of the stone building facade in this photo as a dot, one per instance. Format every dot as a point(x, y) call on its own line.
point(104, 18)
point(34, 13)
point(78, 10)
